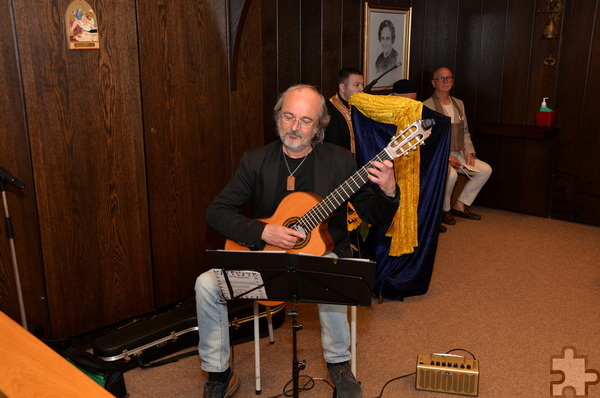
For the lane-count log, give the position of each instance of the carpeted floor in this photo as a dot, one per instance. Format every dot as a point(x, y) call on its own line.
point(513, 290)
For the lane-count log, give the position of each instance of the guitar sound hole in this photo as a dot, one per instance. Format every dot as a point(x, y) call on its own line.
point(293, 224)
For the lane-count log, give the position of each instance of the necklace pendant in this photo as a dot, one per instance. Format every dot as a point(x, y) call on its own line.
point(291, 183)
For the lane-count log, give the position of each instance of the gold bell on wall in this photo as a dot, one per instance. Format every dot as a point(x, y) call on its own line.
point(550, 30)
point(553, 7)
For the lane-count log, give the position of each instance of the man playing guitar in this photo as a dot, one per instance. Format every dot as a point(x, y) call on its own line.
point(278, 180)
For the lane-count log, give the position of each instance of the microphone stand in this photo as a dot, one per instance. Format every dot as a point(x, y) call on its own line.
point(369, 86)
point(13, 253)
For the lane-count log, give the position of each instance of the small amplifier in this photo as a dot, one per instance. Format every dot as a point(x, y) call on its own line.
point(451, 374)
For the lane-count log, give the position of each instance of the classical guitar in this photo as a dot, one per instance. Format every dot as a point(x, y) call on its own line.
point(307, 213)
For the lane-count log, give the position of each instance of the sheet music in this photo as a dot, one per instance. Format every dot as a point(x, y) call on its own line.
point(241, 281)
point(470, 168)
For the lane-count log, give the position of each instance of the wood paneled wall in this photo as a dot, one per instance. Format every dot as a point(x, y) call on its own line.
point(180, 119)
point(497, 54)
point(121, 149)
point(308, 42)
point(83, 116)
point(21, 204)
point(196, 129)
point(576, 194)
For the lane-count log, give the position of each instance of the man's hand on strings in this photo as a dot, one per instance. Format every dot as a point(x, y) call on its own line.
point(280, 236)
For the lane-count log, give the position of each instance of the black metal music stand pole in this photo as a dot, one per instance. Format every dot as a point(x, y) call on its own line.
point(297, 366)
point(13, 254)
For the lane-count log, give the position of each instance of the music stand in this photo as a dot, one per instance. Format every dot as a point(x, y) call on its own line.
point(297, 278)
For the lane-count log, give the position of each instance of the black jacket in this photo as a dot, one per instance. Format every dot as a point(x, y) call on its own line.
point(255, 180)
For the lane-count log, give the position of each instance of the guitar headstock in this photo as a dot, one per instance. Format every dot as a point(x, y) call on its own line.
point(410, 138)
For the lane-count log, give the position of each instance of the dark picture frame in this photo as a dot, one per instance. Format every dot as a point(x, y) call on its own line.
point(393, 23)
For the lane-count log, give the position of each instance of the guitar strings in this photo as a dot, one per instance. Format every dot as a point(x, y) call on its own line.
point(323, 209)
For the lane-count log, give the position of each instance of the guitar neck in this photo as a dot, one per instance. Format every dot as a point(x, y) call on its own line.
point(335, 199)
point(409, 139)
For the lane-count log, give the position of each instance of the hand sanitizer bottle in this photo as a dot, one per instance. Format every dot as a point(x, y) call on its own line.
point(545, 117)
point(544, 107)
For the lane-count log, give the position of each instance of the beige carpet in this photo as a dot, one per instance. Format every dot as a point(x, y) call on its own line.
point(512, 289)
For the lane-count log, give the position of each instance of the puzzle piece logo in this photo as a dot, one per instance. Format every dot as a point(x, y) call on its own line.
point(575, 374)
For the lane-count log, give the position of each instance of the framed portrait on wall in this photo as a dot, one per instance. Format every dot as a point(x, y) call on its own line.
point(386, 44)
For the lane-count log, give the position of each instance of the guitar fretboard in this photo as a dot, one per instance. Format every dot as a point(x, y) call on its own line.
point(400, 145)
point(340, 195)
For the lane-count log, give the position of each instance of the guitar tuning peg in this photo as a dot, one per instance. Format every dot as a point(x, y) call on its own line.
point(427, 123)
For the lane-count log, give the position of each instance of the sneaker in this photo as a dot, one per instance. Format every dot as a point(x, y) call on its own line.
point(216, 389)
point(346, 385)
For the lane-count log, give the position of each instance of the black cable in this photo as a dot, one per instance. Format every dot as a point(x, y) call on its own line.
point(414, 373)
point(308, 385)
point(394, 379)
point(461, 349)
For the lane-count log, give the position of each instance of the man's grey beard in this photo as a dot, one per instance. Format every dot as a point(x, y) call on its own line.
point(299, 148)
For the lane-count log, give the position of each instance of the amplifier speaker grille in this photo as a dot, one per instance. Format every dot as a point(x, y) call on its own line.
point(450, 374)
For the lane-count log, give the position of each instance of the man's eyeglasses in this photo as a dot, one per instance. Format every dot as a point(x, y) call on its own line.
point(447, 79)
point(291, 119)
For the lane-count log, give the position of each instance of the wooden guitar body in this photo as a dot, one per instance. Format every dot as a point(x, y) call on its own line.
point(317, 242)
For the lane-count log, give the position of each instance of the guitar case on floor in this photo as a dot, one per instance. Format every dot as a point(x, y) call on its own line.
point(143, 341)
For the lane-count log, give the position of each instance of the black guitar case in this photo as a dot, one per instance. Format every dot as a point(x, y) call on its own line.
point(143, 341)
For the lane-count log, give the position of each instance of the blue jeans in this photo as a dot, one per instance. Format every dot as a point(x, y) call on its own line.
point(213, 327)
